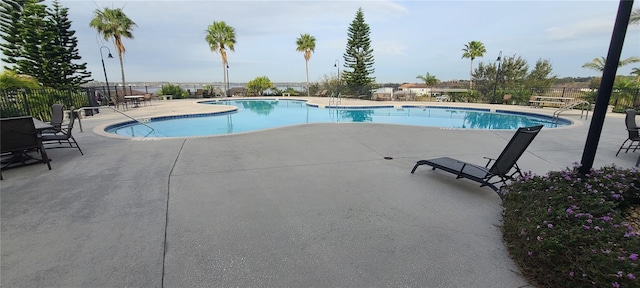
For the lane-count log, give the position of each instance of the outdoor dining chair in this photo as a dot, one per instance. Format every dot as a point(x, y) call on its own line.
point(55, 140)
point(632, 131)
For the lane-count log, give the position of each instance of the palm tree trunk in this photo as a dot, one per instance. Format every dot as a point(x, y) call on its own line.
point(224, 77)
point(122, 74)
point(306, 63)
point(471, 75)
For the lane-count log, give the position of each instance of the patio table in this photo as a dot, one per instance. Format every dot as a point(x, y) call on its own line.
point(136, 99)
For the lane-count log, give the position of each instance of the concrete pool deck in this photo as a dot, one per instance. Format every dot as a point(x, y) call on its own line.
point(304, 206)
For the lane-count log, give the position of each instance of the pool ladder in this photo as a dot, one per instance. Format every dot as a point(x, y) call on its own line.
point(335, 99)
point(585, 106)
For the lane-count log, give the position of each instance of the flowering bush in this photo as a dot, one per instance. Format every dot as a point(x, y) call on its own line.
point(566, 229)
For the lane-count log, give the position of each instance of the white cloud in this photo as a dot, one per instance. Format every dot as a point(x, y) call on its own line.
point(582, 29)
point(389, 48)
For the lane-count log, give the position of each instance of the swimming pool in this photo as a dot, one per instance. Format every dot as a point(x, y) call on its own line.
point(260, 114)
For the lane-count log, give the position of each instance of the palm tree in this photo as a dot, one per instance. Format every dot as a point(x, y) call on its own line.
point(307, 44)
point(636, 71)
point(472, 50)
point(597, 64)
point(113, 23)
point(635, 17)
point(221, 37)
point(429, 79)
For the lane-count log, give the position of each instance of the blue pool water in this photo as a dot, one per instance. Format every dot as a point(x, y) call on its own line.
point(260, 114)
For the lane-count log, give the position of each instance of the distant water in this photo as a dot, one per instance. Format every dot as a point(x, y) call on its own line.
point(192, 88)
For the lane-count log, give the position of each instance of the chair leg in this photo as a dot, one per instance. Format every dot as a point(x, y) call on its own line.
point(421, 162)
point(78, 146)
point(622, 146)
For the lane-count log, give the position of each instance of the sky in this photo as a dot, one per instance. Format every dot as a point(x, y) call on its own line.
point(409, 38)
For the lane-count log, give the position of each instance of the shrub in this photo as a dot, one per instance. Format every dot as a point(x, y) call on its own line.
point(175, 90)
point(566, 229)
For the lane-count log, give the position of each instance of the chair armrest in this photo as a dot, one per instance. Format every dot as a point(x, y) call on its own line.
point(488, 162)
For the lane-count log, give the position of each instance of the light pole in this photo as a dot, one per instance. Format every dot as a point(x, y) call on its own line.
point(337, 65)
point(495, 85)
point(227, 89)
point(105, 70)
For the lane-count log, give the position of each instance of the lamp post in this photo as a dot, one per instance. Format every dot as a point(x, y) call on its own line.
point(495, 85)
point(337, 65)
point(105, 70)
point(227, 89)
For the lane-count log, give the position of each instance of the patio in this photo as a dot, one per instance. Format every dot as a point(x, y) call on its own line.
point(302, 206)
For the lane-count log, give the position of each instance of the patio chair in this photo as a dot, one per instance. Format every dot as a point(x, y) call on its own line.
point(57, 117)
point(630, 119)
point(500, 168)
point(18, 137)
point(633, 132)
point(57, 138)
point(147, 99)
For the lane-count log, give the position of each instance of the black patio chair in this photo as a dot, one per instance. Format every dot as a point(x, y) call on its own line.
point(57, 138)
point(18, 137)
point(57, 117)
point(501, 167)
point(632, 130)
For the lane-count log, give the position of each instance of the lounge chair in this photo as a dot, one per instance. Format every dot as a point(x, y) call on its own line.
point(633, 132)
point(19, 137)
point(500, 168)
point(56, 138)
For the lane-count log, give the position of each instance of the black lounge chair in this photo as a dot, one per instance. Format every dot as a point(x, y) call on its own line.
point(19, 137)
point(500, 168)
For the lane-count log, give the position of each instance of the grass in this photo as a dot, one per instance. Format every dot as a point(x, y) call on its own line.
point(565, 229)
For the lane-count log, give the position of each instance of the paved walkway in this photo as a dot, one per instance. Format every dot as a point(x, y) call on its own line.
point(304, 206)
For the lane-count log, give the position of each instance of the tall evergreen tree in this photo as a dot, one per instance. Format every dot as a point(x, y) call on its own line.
point(39, 43)
point(37, 52)
point(69, 72)
point(358, 58)
point(10, 21)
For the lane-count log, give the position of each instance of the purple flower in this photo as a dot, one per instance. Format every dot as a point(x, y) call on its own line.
point(633, 257)
point(569, 211)
point(550, 225)
point(529, 253)
point(586, 227)
point(631, 276)
point(571, 274)
point(615, 285)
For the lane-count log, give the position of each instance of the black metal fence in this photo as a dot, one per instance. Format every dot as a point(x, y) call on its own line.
point(37, 102)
